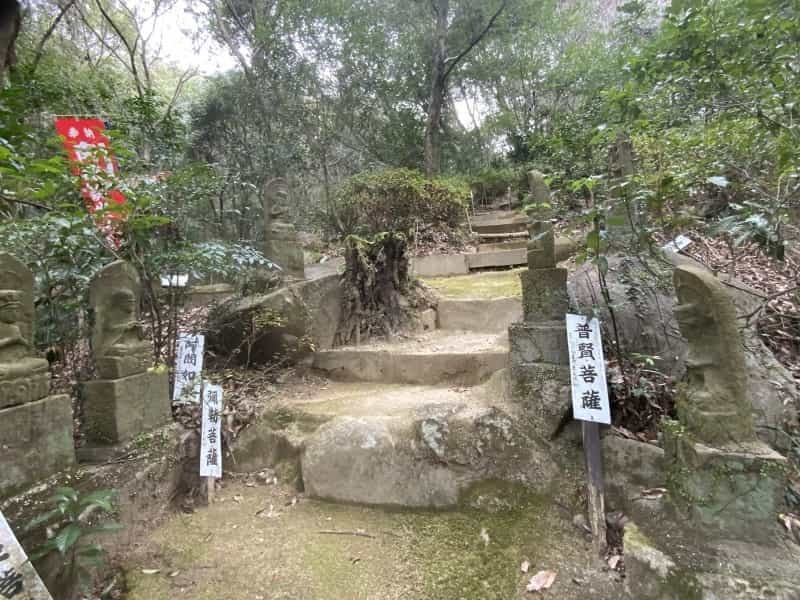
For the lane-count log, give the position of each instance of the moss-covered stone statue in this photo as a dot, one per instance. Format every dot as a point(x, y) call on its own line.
point(35, 428)
point(281, 245)
point(23, 376)
point(129, 397)
point(712, 405)
point(718, 472)
point(118, 343)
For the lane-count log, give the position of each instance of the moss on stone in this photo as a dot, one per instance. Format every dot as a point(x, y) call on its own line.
point(500, 284)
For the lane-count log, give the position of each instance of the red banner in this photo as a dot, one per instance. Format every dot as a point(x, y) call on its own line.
point(89, 152)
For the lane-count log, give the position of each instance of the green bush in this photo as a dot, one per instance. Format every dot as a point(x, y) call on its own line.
point(399, 200)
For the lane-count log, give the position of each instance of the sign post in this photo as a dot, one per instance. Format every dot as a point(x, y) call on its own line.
point(590, 405)
point(188, 368)
point(211, 440)
point(18, 578)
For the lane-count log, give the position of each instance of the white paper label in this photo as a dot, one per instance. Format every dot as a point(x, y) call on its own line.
point(188, 367)
point(587, 370)
point(211, 442)
point(678, 244)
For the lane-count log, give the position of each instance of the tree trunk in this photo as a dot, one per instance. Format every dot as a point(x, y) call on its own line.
point(433, 142)
point(10, 19)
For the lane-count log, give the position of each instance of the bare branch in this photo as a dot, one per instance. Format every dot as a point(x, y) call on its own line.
point(40, 47)
point(474, 41)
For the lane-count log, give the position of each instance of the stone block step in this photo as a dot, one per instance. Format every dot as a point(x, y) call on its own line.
point(432, 358)
point(491, 315)
point(503, 258)
point(396, 445)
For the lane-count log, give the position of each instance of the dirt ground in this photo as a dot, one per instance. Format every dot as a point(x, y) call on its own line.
point(264, 541)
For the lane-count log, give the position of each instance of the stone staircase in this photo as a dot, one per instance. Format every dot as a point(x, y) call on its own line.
point(416, 422)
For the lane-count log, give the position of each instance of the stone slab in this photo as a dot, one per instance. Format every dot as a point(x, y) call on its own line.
point(500, 226)
point(544, 294)
point(439, 265)
point(502, 246)
point(489, 315)
point(123, 366)
point(119, 409)
point(26, 388)
point(453, 367)
point(543, 393)
point(36, 441)
point(504, 258)
point(733, 492)
point(630, 464)
point(539, 342)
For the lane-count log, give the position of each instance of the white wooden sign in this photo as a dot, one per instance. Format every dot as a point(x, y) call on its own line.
point(188, 367)
point(18, 578)
point(211, 441)
point(678, 244)
point(587, 370)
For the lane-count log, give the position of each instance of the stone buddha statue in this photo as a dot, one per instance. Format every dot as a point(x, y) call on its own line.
point(23, 376)
point(713, 405)
point(118, 343)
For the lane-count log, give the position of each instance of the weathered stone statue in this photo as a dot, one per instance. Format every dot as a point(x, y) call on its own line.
point(118, 342)
point(35, 428)
point(23, 377)
point(129, 397)
point(712, 406)
point(624, 213)
point(718, 472)
point(281, 245)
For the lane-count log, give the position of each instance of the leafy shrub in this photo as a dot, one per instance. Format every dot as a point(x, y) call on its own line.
point(399, 200)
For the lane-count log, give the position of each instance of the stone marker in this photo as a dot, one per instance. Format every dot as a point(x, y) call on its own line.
point(129, 397)
point(718, 471)
point(35, 429)
point(282, 245)
point(539, 355)
point(620, 166)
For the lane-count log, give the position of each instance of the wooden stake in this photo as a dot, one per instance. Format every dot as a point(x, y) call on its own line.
point(210, 490)
point(594, 484)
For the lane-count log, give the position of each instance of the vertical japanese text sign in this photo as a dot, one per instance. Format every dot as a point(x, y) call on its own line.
point(211, 442)
point(188, 367)
point(18, 578)
point(587, 370)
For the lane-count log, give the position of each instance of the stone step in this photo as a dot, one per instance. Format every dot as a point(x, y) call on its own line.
point(396, 445)
point(431, 358)
point(499, 222)
point(491, 315)
point(502, 258)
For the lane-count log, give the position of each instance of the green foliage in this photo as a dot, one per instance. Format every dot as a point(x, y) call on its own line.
point(69, 531)
point(400, 200)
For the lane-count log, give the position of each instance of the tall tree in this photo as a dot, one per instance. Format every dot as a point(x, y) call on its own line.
point(447, 19)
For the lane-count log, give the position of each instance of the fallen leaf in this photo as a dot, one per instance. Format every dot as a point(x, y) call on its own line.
point(541, 581)
point(613, 561)
point(484, 536)
point(525, 566)
point(150, 571)
point(237, 498)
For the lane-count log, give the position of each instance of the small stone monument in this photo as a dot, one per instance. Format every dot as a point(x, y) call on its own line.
point(129, 397)
point(539, 354)
point(718, 471)
point(281, 246)
point(35, 429)
point(620, 166)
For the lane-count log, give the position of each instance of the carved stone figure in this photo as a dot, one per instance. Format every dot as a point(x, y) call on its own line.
point(282, 245)
point(713, 406)
point(23, 377)
point(118, 342)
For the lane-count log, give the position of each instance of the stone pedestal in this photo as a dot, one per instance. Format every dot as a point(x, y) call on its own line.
point(24, 381)
point(544, 295)
point(36, 441)
point(119, 409)
point(539, 354)
point(283, 248)
point(733, 492)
